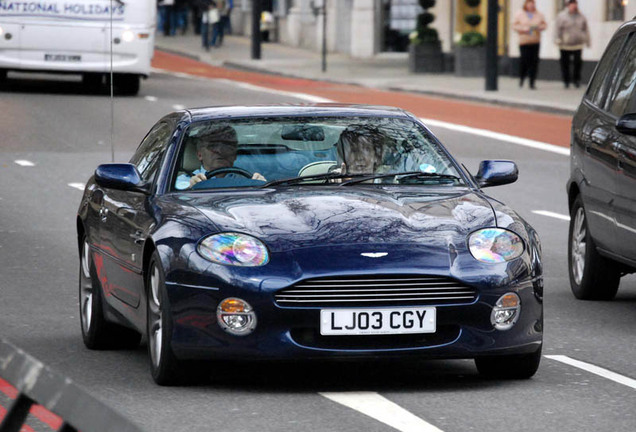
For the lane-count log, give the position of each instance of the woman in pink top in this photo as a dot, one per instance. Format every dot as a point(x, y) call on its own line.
point(529, 23)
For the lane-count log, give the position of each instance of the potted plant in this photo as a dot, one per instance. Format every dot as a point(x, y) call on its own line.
point(425, 48)
point(470, 52)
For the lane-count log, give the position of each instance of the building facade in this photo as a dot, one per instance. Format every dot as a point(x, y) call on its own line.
point(366, 28)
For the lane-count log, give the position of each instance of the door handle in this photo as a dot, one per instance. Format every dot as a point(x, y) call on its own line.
point(599, 136)
point(138, 237)
point(103, 214)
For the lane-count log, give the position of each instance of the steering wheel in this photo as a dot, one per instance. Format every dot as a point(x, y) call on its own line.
point(227, 170)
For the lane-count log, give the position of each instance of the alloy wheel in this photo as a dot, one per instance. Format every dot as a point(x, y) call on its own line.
point(578, 245)
point(155, 329)
point(86, 288)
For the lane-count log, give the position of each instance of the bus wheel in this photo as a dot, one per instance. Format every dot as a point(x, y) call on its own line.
point(128, 84)
point(92, 81)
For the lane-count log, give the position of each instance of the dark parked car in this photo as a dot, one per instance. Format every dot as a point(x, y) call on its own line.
point(602, 184)
point(306, 232)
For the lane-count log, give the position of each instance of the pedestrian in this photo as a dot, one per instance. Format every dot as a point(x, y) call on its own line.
point(224, 24)
point(168, 17)
point(217, 28)
point(529, 23)
point(571, 35)
point(181, 8)
point(225, 18)
point(209, 18)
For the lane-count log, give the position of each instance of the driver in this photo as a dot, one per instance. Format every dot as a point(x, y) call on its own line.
point(216, 149)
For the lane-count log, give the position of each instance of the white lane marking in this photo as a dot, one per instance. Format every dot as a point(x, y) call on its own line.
point(177, 74)
point(551, 214)
point(381, 409)
point(79, 186)
point(151, 98)
point(304, 96)
point(178, 107)
point(499, 136)
point(24, 163)
point(613, 376)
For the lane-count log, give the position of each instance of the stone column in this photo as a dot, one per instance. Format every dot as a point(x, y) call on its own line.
point(301, 25)
point(363, 29)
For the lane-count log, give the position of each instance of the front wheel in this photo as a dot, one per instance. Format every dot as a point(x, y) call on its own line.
point(517, 366)
point(592, 276)
point(164, 366)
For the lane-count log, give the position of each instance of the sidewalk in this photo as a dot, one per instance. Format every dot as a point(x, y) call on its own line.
point(386, 71)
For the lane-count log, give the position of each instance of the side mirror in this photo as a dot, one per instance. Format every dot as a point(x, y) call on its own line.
point(627, 124)
point(120, 176)
point(496, 173)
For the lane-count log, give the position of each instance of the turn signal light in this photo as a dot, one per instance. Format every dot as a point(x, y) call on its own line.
point(232, 305)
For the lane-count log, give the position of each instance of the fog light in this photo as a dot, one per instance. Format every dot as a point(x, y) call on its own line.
point(236, 316)
point(506, 311)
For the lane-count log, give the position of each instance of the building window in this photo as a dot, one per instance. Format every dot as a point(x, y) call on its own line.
point(615, 10)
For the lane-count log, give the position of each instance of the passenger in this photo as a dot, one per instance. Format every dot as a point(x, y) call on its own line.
point(216, 148)
point(359, 149)
point(365, 149)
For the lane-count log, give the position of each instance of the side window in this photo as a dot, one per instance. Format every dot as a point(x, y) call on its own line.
point(148, 156)
point(621, 99)
point(597, 91)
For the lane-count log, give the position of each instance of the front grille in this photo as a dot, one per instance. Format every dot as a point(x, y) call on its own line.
point(309, 337)
point(376, 291)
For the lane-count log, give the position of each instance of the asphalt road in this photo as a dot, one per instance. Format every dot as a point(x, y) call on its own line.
point(65, 133)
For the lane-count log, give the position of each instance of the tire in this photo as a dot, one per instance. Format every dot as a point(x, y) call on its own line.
point(3, 75)
point(518, 366)
point(97, 332)
point(592, 276)
point(127, 84)
point(164, 367)
point(92, 82)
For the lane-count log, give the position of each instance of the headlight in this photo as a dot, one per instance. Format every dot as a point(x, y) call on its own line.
point(234, 249)
point(495, 245)
point(128, 36)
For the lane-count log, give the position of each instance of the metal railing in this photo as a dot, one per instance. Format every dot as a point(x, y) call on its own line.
point(38, 388)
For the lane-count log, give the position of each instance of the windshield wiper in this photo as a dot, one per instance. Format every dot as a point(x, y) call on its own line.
point(401, 175)
point(325, 176)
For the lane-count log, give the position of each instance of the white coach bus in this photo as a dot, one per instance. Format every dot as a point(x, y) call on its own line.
point(76, 36)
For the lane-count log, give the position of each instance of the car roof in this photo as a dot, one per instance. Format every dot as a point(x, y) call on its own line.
point(293, 110)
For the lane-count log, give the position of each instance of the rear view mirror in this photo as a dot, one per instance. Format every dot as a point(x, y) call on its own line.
point(627, 124)
point(120, 176)
point(496, 173)
point(303, 133)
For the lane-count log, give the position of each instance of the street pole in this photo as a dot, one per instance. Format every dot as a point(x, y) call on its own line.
point(257, 9)
point(324, 36)
point(491, 46)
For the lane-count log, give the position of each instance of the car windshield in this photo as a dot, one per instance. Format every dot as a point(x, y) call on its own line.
point(294, 151)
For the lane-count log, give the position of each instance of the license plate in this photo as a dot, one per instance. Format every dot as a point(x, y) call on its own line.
point(62, 58)
point(377, 321)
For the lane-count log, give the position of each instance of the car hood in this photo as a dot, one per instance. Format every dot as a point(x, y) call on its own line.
point(309, 217)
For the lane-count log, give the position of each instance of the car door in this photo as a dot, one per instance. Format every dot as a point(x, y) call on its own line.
point(623, 101)
point(594, 150)
point(127, 219)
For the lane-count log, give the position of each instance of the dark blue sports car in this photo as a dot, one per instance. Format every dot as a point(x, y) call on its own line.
point(316, 231)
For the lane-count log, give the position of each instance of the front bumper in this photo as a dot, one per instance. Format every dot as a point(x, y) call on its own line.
point(463, 331)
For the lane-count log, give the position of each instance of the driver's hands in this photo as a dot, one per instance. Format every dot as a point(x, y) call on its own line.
point(197, 178)
point(258, 176)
